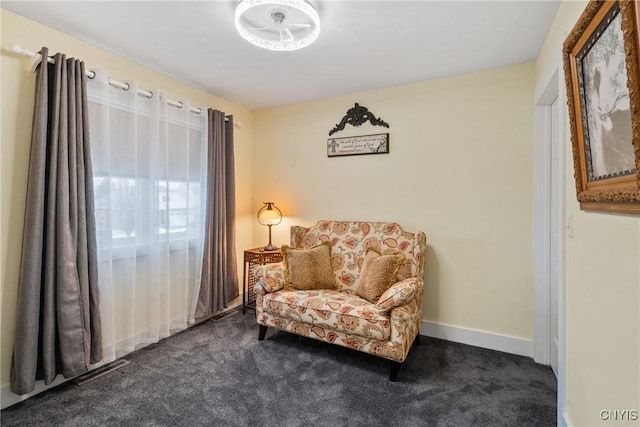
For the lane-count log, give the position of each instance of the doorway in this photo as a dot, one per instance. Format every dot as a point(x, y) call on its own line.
point(556, 229)
point(549, 232)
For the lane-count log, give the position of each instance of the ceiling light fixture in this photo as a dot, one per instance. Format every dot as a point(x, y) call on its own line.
point(279, 25)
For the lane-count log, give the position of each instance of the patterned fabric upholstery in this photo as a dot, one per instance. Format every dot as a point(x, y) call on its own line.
point(399, 294)
point(386, 329)
point(270, 277)
point(350, 241)
point(330, 310)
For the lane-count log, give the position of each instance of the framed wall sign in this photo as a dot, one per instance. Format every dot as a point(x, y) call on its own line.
point(603, 92)
point(354, 145)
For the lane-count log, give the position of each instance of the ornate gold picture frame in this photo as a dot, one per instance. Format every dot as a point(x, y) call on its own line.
point(603, 94)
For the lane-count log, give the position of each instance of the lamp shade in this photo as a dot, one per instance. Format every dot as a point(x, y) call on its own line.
point(269, 214)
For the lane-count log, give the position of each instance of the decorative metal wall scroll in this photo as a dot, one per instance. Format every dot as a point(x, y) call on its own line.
point(356, 116)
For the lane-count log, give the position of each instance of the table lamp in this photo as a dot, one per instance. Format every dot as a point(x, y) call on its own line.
point(269, 215)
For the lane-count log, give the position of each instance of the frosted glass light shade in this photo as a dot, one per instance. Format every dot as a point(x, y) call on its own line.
point(280, 25)
point(269, 214)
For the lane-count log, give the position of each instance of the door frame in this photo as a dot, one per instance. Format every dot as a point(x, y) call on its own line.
point(542, 231)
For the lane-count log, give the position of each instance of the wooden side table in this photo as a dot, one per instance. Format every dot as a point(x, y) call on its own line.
point(256, 256)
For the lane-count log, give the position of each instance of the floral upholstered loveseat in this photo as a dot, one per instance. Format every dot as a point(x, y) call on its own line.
point(386, 327)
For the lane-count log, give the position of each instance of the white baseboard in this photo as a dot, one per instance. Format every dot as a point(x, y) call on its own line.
point(8, 398)
point(565, 421)
point(505, 343)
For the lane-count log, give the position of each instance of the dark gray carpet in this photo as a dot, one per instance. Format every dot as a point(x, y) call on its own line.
point(219, 374)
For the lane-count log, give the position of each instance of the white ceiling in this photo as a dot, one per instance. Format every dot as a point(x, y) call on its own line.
point(362, 45)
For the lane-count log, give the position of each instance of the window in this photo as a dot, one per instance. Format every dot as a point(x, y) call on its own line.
point(149, 168)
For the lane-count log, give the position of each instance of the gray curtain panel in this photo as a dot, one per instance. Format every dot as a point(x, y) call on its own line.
point(58, 316)
point(219, 283)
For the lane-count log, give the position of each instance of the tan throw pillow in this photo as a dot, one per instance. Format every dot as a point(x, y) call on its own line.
point(308, 269)
point(378, 273)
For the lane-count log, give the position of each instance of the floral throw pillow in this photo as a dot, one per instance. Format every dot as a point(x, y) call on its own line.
point(308, 269)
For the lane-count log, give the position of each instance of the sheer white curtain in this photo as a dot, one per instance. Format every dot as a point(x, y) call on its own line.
point(149, 179)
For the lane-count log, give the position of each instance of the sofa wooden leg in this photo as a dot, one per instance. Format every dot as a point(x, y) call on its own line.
point(262, 333)
point(393, 371)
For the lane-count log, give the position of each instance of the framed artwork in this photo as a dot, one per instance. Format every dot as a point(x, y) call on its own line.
point(353, 145)
point(603, 83)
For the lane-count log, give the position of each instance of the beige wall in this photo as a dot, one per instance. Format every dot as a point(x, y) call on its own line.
point(602, 281)
point(459, 169)
point(17, 110)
